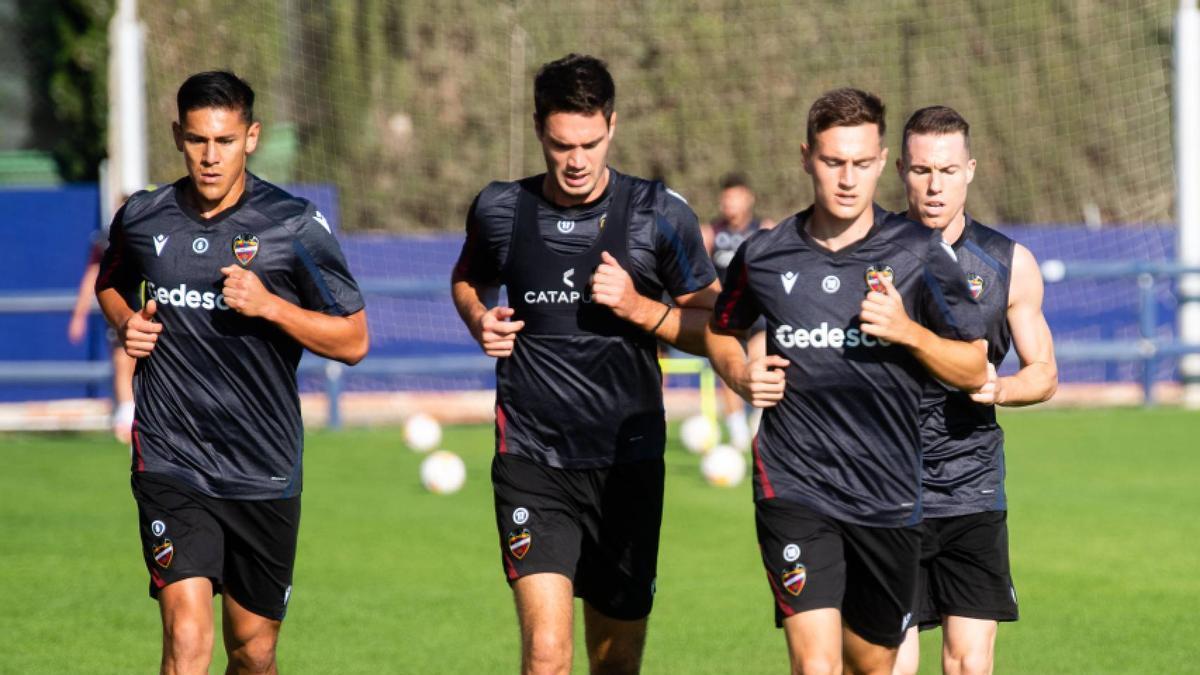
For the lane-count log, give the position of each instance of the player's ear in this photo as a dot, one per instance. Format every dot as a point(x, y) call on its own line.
point(806, 158)
point(177, 134)
point(883, 154)
point(970, 170)
point(612, 124)
point(252, 137)
point(537, 126)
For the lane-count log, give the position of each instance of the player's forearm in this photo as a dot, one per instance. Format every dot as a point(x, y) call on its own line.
point(959, 364)
point(1034, 383)
point(341, 338)
point(87, 286)
point(116, 311)
point(469, 302)
point(727, 356)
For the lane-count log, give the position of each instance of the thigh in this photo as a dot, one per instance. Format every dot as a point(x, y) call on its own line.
point(970, 576)
point(882, 566)
point(260, 553)
point(621, 521)
point(181, 538)
point(536, 518)
point(803, 555)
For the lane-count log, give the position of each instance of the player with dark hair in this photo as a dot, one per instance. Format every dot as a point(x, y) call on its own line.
point(736, 222)
point(583, 251)
point(837, 458)
point(965, 584)
point(217, 284)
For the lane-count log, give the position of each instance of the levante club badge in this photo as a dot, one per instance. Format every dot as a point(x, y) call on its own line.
point(975, 285)
point(519, 542)
point(164, 553)
point(794, 578)
point(245, 247)
point(875, 276)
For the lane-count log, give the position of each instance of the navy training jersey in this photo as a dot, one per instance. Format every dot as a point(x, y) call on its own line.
point(963, 444)
point(217, 404)
point(845, 439)
point(582, 388)
point(726, 242)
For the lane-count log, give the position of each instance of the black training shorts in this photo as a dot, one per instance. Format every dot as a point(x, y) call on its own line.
point(814, 561)
point(597, 527)
point(247, 548)
point(964, 569)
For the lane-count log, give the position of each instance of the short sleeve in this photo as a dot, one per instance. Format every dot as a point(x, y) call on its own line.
point(118, 268)
point(323, 280)
point(947, 306)
point(683, 263)
point(476, 263)
point(737, 308)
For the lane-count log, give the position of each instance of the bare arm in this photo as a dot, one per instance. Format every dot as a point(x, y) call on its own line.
point(760, 382)
point(137, 331)
point(959, 364)
point(77, 327)
point(1037, 380)
point(681, 327)
point(491, 328)
point(342, 338)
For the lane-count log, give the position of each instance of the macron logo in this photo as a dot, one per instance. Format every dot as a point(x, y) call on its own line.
point(789, 280)
point(567, 278)
point(321, 221)
point(160, 240)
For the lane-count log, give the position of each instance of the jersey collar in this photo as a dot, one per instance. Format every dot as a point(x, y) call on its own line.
point(183, 184)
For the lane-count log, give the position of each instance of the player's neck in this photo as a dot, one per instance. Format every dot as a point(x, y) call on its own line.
point(835, 233)
point(208, 208)
point(954, 231)
point(554, 195)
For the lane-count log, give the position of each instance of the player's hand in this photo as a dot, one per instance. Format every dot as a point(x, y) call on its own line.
point(77, 328)
point(613, 287)
point(764, 381)
point(989, 393)
point(495, 333)
point(883, 315)
point(140, 332)
point(244, 292)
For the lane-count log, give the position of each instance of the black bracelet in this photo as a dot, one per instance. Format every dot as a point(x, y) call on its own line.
point(661, 319)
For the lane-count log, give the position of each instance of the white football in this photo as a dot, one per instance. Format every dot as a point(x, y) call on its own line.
point(723, 466)
point(699, 434)
point(422, 433)
point(443, 472)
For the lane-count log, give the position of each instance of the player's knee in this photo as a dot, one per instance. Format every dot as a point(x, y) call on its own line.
point(186, 641)
point(254, 656)
point(617, 662)
point(548, 652)
point(969, 663)
point(817, 664)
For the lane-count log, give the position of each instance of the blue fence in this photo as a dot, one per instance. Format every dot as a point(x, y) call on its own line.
point(418, 342)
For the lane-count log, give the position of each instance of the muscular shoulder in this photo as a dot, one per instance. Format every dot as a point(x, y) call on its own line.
point(143, 205)
point(296, 214)
point(992, 241)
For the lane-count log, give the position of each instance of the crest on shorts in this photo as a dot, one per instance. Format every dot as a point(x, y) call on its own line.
point(245, 247)
point(164, 553)
point(876, 274)
point(794, 578)
point(519, 542)
point(975, 285)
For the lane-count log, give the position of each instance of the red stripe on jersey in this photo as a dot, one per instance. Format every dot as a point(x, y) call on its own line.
point(768, 491)
point(137, 449)
point(735, 294)
point(501, 427)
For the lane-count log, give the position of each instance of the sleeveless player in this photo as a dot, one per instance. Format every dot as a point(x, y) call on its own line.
point(578, 473)
point(217, 284)
point(837, 459)
point(722, 238)
point(965, 585)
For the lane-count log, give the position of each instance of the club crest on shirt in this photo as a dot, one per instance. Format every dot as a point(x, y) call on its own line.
point(519, 542)
point(794, 578)
point(164, 553)
point(876, 274)
point(975, 285)
point(245, 247)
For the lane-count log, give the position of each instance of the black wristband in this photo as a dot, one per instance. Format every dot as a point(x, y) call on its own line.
point(661, 319)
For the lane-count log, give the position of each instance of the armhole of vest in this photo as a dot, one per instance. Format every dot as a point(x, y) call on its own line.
point(512, 235)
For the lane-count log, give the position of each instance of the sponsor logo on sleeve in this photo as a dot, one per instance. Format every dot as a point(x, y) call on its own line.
point(245, 247)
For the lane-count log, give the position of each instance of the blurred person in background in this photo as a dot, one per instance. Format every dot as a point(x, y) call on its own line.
point(722, 237)
point(965, 585)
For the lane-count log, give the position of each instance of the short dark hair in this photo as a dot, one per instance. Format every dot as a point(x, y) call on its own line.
point(734, 180)
point(215, 89)
point(845, 107)
point(936, 120)
point(576, 83)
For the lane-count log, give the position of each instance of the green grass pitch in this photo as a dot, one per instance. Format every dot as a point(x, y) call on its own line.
point(1105, 529)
